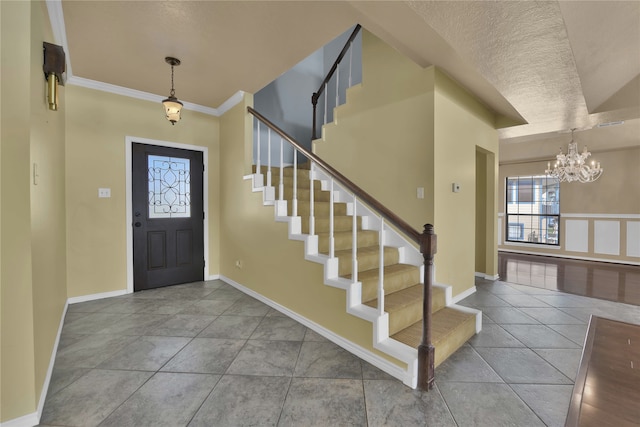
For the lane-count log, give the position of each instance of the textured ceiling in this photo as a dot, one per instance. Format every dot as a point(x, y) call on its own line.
point(543, 66)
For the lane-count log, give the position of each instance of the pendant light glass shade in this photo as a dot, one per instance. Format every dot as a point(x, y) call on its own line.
point(172, 108)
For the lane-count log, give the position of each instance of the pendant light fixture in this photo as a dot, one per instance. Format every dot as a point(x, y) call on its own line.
point(172, 106)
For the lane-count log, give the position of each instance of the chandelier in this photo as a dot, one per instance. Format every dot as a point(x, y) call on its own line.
point(573, 166)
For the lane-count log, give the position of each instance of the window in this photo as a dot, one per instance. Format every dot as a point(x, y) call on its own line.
point(169, 187)
point(533, 209)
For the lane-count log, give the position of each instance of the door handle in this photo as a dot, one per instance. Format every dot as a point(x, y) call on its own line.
point(137, 224)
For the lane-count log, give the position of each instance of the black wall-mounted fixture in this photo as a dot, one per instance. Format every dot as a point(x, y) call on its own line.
point(54, 67)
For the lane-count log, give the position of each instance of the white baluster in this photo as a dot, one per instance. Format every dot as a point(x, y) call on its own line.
point(331, 237)
point(381, 269)
point(295, 183)
point(312, 221)
point(338, 85)
point(354, 242)
point(258, 170)
point(281, 186)
point(269, 158)
point(325, 103)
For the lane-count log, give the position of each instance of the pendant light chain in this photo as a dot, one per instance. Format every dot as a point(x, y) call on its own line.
point(173, 92)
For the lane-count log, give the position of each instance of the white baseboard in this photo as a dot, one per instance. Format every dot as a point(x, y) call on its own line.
point(580, 258)
point(377, 361)
point(486, 276)
point(85, 298)
point(214, 277)
point(464, 294)
point(54, 351)
point(28, 420)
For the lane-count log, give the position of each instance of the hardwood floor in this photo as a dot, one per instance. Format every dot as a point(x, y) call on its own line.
point(608, 281)
point(607, 387)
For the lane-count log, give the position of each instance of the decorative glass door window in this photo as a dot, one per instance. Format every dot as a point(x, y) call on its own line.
point(169, 187)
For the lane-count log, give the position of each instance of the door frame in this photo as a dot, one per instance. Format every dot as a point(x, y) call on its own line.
point(129, 140)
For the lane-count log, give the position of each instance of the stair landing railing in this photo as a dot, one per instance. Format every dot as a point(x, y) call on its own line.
point(335, 69)
point(427, 240)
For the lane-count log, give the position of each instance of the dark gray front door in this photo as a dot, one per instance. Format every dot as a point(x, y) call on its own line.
point(168, 241)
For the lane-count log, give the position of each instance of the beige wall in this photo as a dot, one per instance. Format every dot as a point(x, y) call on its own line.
point(407, 127)
point(48, 232)
point(18, 384)
point(97, 124)
point(272, 265)
point(615, 196)
point(33, 278)
point(462, 125)
point(383, 137)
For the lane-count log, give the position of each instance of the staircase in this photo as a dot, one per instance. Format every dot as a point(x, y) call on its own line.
point(366, 250)
point(398, 326)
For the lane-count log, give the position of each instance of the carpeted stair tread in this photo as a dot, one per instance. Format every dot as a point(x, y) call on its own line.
point(303, 173)
point(287, 181)
point(396, 277)
point(406, 297)
point(405, 306)
point(368, 258)
point(343, 240)
point(303, 194)
point(450, 328)
point(340, 223)
point(319, 208)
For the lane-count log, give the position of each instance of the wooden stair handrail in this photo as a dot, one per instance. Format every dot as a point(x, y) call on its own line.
point(427, 241)
point(334, 67)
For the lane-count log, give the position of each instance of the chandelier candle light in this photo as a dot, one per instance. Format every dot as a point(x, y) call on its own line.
point(172, 106)
point(573, 166)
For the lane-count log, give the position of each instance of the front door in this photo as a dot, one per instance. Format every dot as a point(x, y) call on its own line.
point(168, 215)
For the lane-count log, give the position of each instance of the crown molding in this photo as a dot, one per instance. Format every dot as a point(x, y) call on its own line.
point(132, 93)
point(234, 100)
point(56, 18)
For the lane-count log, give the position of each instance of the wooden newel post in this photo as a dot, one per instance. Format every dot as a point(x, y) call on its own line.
point(426, 351)
point(314, 103)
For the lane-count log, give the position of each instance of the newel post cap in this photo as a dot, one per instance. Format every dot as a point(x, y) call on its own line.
point(428, 241)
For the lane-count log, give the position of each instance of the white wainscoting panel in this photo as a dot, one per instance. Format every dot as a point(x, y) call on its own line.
point(633, 238)
point(606, 237)
point(576, 235)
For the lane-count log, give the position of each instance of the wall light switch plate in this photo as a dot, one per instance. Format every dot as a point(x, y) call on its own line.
point(455, 187)
point(104, 193)
point(420, 193)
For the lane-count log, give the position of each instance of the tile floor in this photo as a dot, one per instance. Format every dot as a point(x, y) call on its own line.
point(205, 354)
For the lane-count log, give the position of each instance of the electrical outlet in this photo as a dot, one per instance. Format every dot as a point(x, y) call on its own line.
point(104, 193)
point(455, 187)
point(420, 193)
point(238, 263)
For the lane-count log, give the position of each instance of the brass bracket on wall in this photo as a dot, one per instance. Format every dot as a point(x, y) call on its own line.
point(54, 68)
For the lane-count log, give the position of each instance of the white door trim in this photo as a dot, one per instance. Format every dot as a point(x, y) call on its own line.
point(129, 140)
